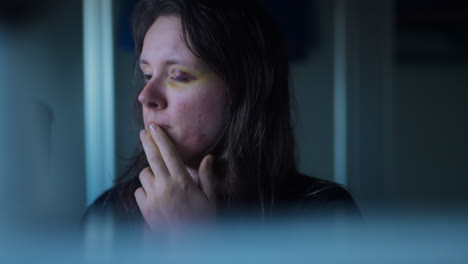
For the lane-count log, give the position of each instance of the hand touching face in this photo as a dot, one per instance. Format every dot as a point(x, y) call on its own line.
point(169, 196)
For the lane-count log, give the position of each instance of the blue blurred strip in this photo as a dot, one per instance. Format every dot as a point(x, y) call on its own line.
point(340, 129)
point(438, 237)
point(99, 96)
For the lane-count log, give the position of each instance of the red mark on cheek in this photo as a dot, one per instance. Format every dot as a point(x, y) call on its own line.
point(195, 139)
point(200, 138)
point(183, 107)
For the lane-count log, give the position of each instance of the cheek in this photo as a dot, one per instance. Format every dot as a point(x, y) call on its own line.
point(195, 140)
point(199, 122)
point(194, 118)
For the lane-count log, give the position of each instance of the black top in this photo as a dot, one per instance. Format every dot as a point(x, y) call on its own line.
point(303, 196)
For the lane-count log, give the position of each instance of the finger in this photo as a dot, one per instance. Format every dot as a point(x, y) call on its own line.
point(147, 180)
point(153, 218)
point(153, 155)
point(169, 153)
point(205, 174)
point(140, 197)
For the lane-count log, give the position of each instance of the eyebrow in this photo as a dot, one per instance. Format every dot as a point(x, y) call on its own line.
point(169, 62)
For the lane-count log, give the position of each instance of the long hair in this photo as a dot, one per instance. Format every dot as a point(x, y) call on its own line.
point(239, 41)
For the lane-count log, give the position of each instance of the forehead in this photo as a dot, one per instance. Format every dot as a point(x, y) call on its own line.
point(163, 42)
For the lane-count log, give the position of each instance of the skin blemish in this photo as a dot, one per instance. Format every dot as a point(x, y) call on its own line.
point(195, 139)
point(183, 106)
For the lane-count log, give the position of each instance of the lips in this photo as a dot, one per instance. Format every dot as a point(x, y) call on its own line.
point(163, 126)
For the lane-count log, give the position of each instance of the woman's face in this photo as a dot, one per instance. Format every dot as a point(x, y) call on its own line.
point(181, 93)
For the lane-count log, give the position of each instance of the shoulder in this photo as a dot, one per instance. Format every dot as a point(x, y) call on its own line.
point(113, 204)
point(102, 206)
point(311, 195)
point(108, 214)
point(105, 200)
point(324, 190)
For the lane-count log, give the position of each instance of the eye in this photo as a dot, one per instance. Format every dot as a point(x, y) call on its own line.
point(147, 77)
point(180, 78)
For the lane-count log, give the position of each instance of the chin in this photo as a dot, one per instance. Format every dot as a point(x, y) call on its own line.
point(192, 161)
point(189, 157)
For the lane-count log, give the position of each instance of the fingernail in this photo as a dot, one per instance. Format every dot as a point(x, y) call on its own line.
point(143, 132)
point(153, 127)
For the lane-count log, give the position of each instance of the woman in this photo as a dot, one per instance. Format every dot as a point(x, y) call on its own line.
point(215, 109)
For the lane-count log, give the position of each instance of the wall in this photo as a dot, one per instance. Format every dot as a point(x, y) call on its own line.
point(431, 146)
point(43, 83)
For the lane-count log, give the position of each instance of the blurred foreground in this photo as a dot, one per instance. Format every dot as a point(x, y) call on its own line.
point(384, 236)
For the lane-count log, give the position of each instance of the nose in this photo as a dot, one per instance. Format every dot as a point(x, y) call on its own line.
point(152, 98)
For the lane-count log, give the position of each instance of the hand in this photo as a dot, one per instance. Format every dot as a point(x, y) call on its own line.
point(169, 195)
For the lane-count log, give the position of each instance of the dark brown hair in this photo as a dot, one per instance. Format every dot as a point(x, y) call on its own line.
point(241, 43)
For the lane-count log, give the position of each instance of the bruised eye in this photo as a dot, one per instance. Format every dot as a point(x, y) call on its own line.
point(182, 79)
point(181, 76)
